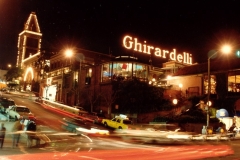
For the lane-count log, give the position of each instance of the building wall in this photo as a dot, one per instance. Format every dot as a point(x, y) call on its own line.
point(190, 85)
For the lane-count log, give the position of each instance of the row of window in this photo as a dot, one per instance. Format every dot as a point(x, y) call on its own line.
point(233, 84)
point(127, 70)
point(114, 71)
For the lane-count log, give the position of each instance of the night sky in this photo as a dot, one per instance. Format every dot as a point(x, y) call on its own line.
point(194, 26)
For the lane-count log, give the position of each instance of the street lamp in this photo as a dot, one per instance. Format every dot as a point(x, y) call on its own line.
point(226, 49)
point(80, 57)
point(68, 53)
point(9, 66)
point(175, 101)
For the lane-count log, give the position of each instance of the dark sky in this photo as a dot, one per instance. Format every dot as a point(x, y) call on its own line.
point(194, 26)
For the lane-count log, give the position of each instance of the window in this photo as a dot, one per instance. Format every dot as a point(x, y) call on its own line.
point(212, 83)
point(122, 70)
point(140, 71)
point(106, 72)
point(234, 82)
point(22, 109)
point(88, 76)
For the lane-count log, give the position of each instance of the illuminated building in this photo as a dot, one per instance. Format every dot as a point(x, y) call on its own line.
point(73, 82)
point(29, 44)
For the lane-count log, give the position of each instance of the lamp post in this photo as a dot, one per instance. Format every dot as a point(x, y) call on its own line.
point(225, 49)
point(68, 53)
point(80, 57)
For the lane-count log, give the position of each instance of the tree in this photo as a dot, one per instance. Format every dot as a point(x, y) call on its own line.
point(110, 98)
point(88, 98)
point(13, 73)
point(136, 96)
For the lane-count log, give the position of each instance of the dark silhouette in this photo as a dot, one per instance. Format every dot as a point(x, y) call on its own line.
point(15, 133)
point(2, 134)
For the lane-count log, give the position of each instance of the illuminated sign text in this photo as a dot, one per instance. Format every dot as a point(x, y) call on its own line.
point(133, 44)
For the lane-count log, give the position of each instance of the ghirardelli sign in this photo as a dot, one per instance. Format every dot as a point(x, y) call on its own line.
point(132, 43)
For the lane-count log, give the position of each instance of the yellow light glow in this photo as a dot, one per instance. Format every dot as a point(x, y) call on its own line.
point(29, 70)
point(226, 49)
point(209, 103)
point(145, 48)
point(180, 85)
point(69, 53)
point(175, 101)
point(169, 77)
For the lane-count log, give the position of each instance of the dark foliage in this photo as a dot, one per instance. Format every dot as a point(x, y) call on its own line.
point(12, 73)
point(138, 97)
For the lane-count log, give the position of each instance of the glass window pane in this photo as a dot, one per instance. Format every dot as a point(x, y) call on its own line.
point(140, 71)
point(234, 83)
point(122, 70)
point(212, 83)
point(106, 72)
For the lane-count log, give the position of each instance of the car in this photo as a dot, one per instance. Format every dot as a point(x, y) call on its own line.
point(94, 117)
point(5, 103)
point(18, 111)
point(99, 117)
point(81, 110)
point(119, 122)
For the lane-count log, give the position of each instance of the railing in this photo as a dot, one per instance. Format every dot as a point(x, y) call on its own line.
point(62, 107)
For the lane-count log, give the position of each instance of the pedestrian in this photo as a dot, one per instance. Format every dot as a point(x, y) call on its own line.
point(16, 131)
point(204, 130)
point(2, 134)
point(31, 133)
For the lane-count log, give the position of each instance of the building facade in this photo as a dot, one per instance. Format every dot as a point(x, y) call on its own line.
point(75, 81)
point(88, 75)
point(29, 45)
point(224, 82)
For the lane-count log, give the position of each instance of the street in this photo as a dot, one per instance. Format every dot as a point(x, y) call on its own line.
point(105, 147)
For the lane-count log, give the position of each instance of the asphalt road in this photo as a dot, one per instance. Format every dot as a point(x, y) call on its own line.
point(106, 147)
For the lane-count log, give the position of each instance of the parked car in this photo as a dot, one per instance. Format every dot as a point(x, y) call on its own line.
point(11, 90)
point(4, 90)
point(95, 117)
point(82, 111)
point(5, 103)
point(17, 111)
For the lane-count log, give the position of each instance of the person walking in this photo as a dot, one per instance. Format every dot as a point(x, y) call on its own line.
point(2, 134)
point(17, 127)
point(204, 130)
point(31, 133)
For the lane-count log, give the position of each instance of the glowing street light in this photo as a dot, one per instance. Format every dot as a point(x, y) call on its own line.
point(226, 49)
point(180, 86)
point(175, 101)
point(67, 53)
point(80, 57)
